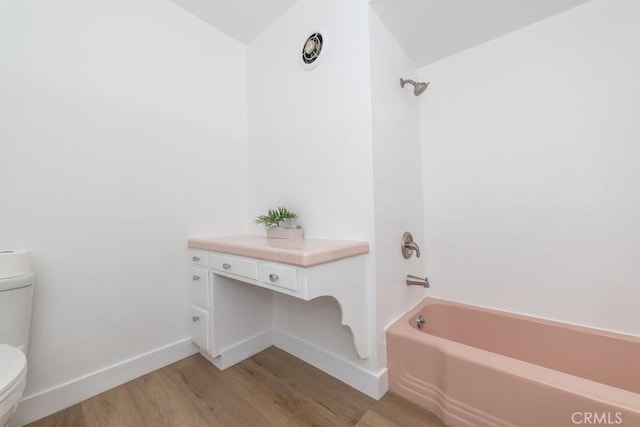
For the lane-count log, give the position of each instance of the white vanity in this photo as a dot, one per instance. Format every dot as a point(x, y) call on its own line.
point(233, 280)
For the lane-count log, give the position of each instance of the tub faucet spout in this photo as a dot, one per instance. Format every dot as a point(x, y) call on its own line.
point(418, 281)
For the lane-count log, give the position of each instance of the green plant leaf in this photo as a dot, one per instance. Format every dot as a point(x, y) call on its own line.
point(274, 217)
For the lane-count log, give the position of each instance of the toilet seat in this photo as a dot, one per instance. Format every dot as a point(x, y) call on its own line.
point(13, 369)
point(13, 379)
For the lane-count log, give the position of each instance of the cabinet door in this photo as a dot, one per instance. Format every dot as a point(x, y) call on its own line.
point(200, 287)
point(200, 327)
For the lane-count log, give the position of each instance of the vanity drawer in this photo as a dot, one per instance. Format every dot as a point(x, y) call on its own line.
point(200, 327)
point(200, 287)
point(280, 276)
point(241, 267)
point(198, 258)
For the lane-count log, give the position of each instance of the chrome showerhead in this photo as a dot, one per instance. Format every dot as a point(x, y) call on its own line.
point(418, 87)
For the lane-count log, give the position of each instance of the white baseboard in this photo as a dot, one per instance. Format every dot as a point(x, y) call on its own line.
point(240, 351)
point(374, 384)
point(370, 383)
point(49, 401)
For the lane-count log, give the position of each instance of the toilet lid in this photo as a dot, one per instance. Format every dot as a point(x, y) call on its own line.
point(13, 365)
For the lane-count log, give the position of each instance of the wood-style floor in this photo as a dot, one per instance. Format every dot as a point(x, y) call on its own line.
point(271, 388)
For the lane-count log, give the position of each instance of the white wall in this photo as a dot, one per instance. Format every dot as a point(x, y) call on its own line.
point(310, 131)
point(397, 165)
point(310, 144)
point(531, 174)
point(123, 133)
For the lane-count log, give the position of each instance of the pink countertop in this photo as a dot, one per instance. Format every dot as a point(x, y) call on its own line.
point(303, 253)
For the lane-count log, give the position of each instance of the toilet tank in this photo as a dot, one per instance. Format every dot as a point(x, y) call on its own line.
point(16, 295)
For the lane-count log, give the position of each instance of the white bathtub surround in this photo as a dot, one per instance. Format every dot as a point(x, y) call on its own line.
point(530, 152)
point(397, 163)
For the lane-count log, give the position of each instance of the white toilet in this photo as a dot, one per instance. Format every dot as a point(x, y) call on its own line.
point(13, 378)
point(16, 295)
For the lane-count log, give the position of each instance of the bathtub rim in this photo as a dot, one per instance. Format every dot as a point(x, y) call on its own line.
point(574, 326)
point(562, 381)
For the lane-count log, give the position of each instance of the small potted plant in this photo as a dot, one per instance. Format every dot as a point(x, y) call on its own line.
point(279, 224)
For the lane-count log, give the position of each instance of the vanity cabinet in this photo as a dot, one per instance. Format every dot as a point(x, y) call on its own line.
point(232, 293)
point(200, 300)
point(200, 327)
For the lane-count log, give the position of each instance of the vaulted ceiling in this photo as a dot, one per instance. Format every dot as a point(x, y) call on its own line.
point(433, 29)
point(241, 19)
point(427, 29)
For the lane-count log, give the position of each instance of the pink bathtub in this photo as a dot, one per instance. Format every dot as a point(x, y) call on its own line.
point(480, 367)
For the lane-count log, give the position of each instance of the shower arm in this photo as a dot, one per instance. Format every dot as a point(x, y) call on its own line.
point(418, 87)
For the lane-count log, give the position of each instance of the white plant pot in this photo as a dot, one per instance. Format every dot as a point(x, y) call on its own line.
point(285, 233)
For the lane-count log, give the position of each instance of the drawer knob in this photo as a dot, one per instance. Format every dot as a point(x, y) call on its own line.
point(196, 258)
point(226, 266)
point(273, 277)
point(196, 278)
point(195, 318)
